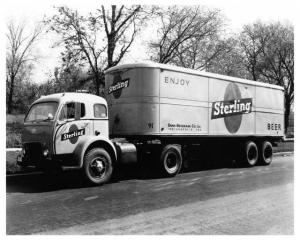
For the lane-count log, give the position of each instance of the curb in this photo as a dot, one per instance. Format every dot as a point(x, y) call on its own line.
point(13, 149)
point(283, 153)
point(23, 174)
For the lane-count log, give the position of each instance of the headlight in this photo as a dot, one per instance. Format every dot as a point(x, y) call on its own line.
point(23, 152)
point(46, 152)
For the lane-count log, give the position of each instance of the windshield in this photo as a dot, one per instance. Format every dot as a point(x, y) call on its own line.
point(42, 111)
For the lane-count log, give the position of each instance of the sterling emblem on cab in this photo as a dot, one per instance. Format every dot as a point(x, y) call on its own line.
point(223, 109)
point(73, 134)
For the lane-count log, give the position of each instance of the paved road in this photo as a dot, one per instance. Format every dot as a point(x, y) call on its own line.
point(223, 200)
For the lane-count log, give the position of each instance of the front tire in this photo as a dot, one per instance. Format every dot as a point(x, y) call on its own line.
point(97, 166)
point(170, 160)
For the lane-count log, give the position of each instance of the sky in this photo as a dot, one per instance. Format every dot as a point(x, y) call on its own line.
point(237, 12)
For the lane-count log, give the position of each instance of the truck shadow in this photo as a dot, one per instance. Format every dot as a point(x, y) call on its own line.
point(39, 182)
point(149, 171)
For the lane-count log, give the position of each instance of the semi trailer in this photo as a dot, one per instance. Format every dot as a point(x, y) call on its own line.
point(153, 111)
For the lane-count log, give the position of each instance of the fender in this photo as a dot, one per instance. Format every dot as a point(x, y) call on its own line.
point(87, 141)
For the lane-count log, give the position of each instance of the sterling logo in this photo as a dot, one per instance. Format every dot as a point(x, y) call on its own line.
point(70, 135)
point(73, 134)
point(231, 108)
point(118, 85)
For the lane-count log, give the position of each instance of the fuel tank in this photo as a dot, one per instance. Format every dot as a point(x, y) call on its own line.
point(127, 153)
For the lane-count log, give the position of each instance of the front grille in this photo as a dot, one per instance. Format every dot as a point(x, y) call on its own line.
point(33, 152)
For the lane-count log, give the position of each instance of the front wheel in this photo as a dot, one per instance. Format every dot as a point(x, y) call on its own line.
point(97, 166)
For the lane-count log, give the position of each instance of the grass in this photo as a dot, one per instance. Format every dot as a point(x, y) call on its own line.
point(15, 118)
point(14, 127)
point(11, 163)
point(284, 147)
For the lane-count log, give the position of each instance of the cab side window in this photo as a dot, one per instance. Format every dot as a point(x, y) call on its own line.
point(82, 110)
point(100, 111)
point(69, 110)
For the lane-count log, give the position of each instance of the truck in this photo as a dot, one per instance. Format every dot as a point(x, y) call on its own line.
point(157, 112)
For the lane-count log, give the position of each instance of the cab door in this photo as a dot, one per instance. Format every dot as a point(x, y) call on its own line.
point(100, 120)
point(72, 125)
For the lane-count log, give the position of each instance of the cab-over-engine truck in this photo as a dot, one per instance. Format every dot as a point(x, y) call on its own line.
point(160, 111)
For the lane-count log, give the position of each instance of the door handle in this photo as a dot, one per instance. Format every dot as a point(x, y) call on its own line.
point(97, 133)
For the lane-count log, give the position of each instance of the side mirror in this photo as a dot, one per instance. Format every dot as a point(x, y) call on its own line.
point(50, 116)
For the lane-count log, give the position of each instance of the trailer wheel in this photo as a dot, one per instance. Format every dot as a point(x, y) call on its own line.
point(250, 154)
point(266, 153)
point(97, 166)
point(170, 160)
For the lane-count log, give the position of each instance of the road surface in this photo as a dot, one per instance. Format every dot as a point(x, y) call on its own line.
point(222, 200)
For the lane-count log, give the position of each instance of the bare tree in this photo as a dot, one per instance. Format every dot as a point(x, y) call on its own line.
point(278, 64)
point(101, 40)
point(184, 36)
point(199, 54)
point(268, 51)
point(18, 54)
point(79, 36)
point(229, 60)
point(252, 42)
point(121, 27)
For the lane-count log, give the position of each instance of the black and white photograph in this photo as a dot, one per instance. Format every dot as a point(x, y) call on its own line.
point(148, 118)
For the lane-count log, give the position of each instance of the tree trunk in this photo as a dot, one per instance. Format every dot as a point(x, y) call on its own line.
point(110, 49)
point(111, 37)
point(287, 113)
point(10, 96)
point(97, 85)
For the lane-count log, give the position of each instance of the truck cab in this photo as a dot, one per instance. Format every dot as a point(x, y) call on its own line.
point(69, 130)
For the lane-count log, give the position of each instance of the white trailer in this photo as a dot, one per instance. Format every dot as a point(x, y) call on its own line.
point(148, 99)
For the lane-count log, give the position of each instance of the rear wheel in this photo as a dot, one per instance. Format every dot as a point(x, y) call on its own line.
point(170, 160)
point(266, 153)
point(97, 166)
point(250, 154)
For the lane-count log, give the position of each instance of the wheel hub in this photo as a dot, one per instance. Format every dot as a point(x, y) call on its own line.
point(170, 162)
point(98, 167)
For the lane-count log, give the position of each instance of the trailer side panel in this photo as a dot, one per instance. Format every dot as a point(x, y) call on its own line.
point(183, 104)
point(153, 101)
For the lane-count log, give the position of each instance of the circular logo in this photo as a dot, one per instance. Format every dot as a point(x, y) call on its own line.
point(73, 128)
point(117, 93)
point(233, 123)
